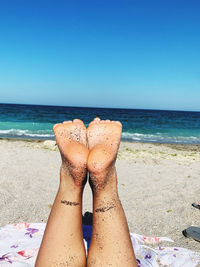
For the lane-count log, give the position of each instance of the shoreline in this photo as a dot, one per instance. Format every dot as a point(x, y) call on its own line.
point(172, 145)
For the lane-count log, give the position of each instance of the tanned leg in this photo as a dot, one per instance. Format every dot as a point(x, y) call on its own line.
point(62, 243)
point(111, 243)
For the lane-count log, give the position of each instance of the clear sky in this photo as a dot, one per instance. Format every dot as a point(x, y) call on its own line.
point(101, 53)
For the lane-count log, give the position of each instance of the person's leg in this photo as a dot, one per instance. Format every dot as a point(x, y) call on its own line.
point(111, 243)
point(62, 243)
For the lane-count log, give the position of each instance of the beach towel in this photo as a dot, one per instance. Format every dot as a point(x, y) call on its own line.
point(19, 246)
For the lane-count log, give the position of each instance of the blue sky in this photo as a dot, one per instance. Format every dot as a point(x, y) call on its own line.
point(105, 53)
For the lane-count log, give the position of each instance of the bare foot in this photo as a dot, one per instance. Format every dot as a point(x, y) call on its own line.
point(103, 141)
point(71, 141)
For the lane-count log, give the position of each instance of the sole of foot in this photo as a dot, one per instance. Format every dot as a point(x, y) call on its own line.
point(71, 141)
point(103, 142)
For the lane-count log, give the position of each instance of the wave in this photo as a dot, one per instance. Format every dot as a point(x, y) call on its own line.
point(14, 133)
point(126, 136)
point(160, 138)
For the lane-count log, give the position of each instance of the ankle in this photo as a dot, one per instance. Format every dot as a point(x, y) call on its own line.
point(68, 184)
point(106, 181)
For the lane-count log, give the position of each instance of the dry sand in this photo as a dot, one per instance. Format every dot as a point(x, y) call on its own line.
point(157, 185)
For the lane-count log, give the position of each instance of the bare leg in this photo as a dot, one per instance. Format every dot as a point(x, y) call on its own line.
point(62, 243)
point(111, 243)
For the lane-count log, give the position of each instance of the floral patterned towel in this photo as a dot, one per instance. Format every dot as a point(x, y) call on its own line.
point(19, 245)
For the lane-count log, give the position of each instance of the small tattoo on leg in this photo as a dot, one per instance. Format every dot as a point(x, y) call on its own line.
point(104, 209)
point(69, 203)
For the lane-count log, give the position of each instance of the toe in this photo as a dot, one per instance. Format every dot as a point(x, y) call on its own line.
point(119, 123)
point(67, 122)
point(107, 121)
point(78, 121)
point(97, 119)
point(55, 126)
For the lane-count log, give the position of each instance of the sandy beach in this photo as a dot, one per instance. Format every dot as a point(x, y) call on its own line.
point(157, 185)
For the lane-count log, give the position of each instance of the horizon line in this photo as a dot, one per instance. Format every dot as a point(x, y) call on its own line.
point(51, 105)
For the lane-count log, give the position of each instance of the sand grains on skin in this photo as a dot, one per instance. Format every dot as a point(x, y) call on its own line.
point(71, 141)
point(103, 142)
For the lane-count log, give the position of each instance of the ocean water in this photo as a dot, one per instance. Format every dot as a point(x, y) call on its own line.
point(36, 122)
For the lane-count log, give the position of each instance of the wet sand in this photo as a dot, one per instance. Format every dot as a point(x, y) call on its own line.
point(157, 185)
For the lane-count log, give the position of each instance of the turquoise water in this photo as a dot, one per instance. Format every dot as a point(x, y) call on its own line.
point(32, 121)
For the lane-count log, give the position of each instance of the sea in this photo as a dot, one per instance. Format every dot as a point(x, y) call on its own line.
point(160, 126)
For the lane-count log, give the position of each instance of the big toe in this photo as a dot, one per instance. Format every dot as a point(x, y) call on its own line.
point(117, 122)
point(96, 120)
point(56, 127)
point(67, 122)
point(78, 121)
